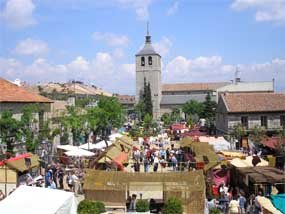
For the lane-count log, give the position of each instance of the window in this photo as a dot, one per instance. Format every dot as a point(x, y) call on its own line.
point(142, 61)
point(282, 121)
point(244, 121)
point(263, 121)
point(150, 60)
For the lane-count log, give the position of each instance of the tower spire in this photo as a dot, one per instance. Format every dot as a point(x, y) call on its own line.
point(148, 37)
point(147, 28)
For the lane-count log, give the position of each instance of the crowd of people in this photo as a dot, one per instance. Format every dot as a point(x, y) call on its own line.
point(164, 155)
point(56, 175)
point(234, 201)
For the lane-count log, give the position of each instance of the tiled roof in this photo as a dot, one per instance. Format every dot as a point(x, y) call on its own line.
point(193, 86)
point(254, 102)
point(126, 99)
point(10, 92)
point(249, 87)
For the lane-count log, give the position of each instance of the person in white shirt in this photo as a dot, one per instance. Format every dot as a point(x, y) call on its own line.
point(155, 163)
point(76, 183)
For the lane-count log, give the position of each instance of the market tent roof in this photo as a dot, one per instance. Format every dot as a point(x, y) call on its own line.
point(20, 165)
point(232, 154)
point(263, 174)
point(67, 147)
point(204, 152)
point(271, 142)
point(113, 137)
point(219, 143)
point(247, 162)
point(99, 145)
point(267, 204)
point(34, 200)
point(278, 201)
point(79, 153)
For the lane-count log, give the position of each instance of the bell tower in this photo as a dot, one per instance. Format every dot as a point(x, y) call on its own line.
point(148, 67)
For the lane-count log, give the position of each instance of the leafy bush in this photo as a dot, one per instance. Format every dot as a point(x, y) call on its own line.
point(90, 207)
point(173, 206)
point(215, 210)
point(142, 205)
point(101, 206)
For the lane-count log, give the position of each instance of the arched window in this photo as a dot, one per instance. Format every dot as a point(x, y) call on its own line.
point(142, 61)
point(150, 60)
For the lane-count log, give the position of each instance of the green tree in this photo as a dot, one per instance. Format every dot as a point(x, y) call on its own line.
point(175, 115)
point(147, 122)
point(140, 109)
point(192, 108)
point(166, 119)
point(209, 109)
point(8, 129)
point(145, 103)
point(73, 121)
point(106, 115)
point(257, 134)
point(26, 127)
point(147, 100)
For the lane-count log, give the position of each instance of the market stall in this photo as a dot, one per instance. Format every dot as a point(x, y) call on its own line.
point(34, 200)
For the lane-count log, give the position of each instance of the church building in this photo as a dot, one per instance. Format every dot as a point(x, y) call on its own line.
point(166, 97)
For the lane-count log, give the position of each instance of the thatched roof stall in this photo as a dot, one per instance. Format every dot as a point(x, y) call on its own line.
point(205, 153)
point(262, 177)
point(187, 186)
point(116, 154)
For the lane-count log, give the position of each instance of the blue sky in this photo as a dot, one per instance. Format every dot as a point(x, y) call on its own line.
point(95, 41)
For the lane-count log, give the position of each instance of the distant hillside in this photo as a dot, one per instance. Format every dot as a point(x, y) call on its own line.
point(63, 90)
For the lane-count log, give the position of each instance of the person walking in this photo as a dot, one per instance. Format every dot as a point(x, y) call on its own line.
point(2, 195)
point(174, 162)
point(234, 206)
point(242, 203)
point(69, 181)
point(60, 175)
point(155, 163)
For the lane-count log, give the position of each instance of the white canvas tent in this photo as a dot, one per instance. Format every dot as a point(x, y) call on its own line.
point(113, 137)
point(79, 153)
point(67, 147)
point(237, 162)
point(34, 200)
point(100, 145)
point(219, 143)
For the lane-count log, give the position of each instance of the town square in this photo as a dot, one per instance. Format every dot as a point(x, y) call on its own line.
point(142, 106)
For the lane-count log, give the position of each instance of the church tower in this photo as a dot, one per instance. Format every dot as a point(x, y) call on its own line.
point(148, 67)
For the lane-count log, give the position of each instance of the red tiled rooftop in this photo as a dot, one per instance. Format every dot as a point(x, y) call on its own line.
point(10, 92)
point(193, 86)
point(254, 102)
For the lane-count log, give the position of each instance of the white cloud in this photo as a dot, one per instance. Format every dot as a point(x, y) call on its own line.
point(118, 53)
point(19, 13)
point(111, 39)
point(129, 69)
point(163, 46)
point(104, 71)
point(266, 10)
point(141, 7)
point(31, 47)
point(102, 64)
point(206, 69)
point(80, 64)
point(173, 9)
